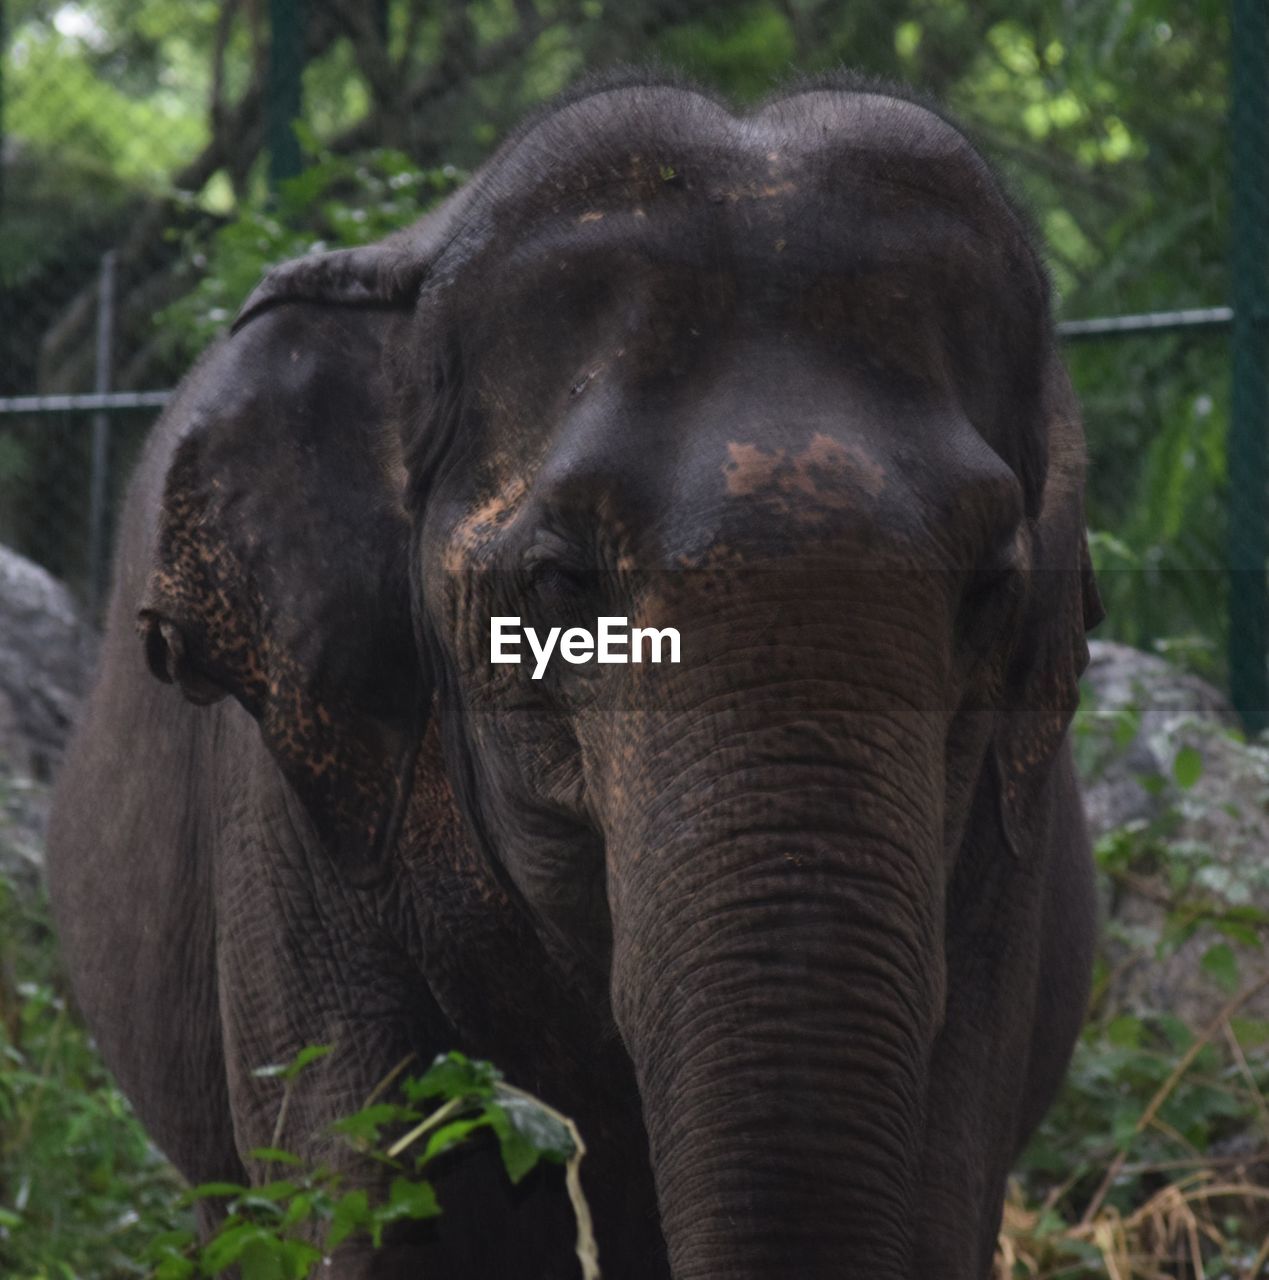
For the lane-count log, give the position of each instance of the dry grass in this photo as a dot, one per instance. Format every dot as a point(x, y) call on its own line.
point(1166, 1238)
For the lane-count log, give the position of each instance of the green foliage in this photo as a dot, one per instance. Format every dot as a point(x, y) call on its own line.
point(83, 1193)
point(81, 1188)
point(1118, 1068)
point(269, 1230)
point(139, 132)
point(1143, 1141)
point(337, 202)
point(746, 50)
point(103, 102)
point(1187, 767)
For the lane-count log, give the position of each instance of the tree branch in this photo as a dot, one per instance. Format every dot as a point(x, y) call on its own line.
point(460, 60)
point(220, 41)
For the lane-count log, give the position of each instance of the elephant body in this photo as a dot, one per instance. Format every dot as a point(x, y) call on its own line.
point(797, 929)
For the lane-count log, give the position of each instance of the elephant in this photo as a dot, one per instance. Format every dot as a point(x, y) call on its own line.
point(797, 928)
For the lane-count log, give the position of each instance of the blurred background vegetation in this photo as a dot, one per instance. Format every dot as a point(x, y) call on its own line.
point(139, 128)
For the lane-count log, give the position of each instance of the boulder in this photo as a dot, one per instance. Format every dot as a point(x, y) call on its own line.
point(1180, 804)
point(46, 656)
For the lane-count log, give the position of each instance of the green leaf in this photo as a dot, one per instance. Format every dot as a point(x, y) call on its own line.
point(1179, 1035)
point(299, 1210)
point(174, 1267)
point(453, 1075)
point(169, 1242)
point(299, 1258)
point(1124, 1032)
point(527, 1133)
point(1178, 929)
point(450, 1135)
point(230, 1244)
point(519, 1156)
point(1238, 931)
point(1127, 724)
point(537, 1126)
point(208, 1190)
point(1252, 1033)
point(306, 1057)
point(1221, 965)
point(262, 1259)
point(409, 1200)
point(367, 1123)
point(1187, 768)
point(264, 1200)
point(352, 1213)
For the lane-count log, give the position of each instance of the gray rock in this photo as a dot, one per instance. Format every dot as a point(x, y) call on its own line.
point(1197, 830)
point(1126, 689)
point(46, 655)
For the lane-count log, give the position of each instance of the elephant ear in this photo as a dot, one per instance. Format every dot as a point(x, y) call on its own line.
point(281, 548)
point(1041, 681)
point(371, 276)
point(385, 274)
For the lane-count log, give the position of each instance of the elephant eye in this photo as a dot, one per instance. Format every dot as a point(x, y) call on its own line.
point(554, 568)
point(550, 578)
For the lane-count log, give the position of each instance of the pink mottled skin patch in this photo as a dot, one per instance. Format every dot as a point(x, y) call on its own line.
point(491, 514)
point(829, 471)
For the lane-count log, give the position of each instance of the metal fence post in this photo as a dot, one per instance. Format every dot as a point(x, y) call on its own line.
point(99, 476)
point(1248, 450)
point(285, 88)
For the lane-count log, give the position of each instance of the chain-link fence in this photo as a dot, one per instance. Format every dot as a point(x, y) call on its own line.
point(140, 142)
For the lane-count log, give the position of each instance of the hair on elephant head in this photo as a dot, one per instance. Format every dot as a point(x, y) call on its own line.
point(786, 384)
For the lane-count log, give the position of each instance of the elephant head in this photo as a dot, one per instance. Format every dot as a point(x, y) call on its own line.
point(786, 383)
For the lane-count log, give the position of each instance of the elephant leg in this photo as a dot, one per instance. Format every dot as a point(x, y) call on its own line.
point(306, 959)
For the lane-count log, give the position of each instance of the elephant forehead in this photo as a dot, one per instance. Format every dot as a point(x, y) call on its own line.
point(745, 212)
point(824, 181)
point(639, 143)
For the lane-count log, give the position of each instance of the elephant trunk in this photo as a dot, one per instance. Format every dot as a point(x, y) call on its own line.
point(778, 980)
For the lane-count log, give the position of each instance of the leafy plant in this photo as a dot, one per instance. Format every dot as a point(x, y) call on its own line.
point(269, 1230)
point(83, 1193)
point(81, 1188)
point(1150, 1164)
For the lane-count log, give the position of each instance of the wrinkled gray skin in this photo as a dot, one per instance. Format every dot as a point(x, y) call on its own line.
point(799, 929)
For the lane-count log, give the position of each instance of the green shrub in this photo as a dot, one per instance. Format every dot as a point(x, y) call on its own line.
point(82, 1190)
